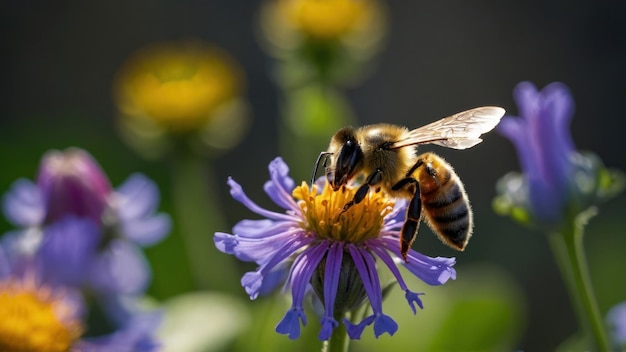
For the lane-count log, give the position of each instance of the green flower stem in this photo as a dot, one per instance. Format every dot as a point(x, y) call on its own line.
point(567, 246)
point(197, 218)
point(339, 341)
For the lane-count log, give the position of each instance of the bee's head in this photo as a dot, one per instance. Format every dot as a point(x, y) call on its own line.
point(347, 158)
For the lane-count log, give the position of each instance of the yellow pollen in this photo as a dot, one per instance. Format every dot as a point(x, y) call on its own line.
point(325, 216)
point(33, 319)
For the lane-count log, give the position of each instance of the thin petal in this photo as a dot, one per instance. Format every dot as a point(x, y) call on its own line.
point(302, 269)
point(280, 185)
point(5, 264)
point(526, 98)
point(260, 251)
point(331, 282)
point(414, 298)
point(411, 297)
point(67, 248)
point(252, 281)
point(236, 191)
point(138, 335)
point(261, 228)
point(149, 230)
point(394, 220)
point(384, 324)
point(121, 268)
point(356, 330)
point(138, 197)
point(299, 277)
point(23, 205)
point(290, 324)
point(433, 271)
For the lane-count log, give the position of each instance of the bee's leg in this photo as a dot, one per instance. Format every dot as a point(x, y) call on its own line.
point(413, 214)
point(373, 179)
point(419, 163)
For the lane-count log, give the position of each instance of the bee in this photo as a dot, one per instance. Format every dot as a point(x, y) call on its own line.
point(386, 156)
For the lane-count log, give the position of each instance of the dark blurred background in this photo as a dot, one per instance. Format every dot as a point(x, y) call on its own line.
point(58, 60)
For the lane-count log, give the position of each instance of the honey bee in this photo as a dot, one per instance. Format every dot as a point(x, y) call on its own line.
point(386, 155)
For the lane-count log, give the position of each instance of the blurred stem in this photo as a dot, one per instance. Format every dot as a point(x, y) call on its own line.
point(198, 217)
point(339, 341)
point(567, 246)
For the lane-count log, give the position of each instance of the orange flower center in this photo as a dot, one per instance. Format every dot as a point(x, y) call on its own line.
point(325, 216)
point(35, 320)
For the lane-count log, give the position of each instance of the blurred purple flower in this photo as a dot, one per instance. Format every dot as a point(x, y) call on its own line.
point(72, 182)
point(52, 316)
point(72, 215)
point(544, 146)
point(616, 320)
point(323, 245)
point(557, 181)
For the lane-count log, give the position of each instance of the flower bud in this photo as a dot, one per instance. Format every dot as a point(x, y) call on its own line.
point(72, 183)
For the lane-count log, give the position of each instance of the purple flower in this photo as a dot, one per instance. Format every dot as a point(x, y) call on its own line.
point(333, 252)
point(52, 317)
point(616, 319)
point(72, 182)
point(557, 181)
point(72, 215)
point(544, 146)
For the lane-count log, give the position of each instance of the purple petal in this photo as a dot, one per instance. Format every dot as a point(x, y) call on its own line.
point(5, 264)
point(526, 98)
point(411, 297)
point(616, 319)
point(147, 231)
point(239, 195)
point(394, 220)
point(328, 324)
point(261, 228)
point(274, 278)
point(384, 324)
point(120, 268)
point(414, 298)
point(256, 240)
point(299, 278)
point(331, 282)
point(138, 335)
point(22, 204)
point(302, 269)
point(365, 266)
point(290, 324)
point(72, 183)
point(433, 271)
point(252, 281)
point(67, 248)
point(355, 331)
point(137, 197)
point(280, 185)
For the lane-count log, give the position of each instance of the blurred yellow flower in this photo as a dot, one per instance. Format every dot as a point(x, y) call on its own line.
point(324, 20)
point(190, 89)
point(177, 86)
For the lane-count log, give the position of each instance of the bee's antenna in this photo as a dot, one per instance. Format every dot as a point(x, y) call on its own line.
point(317, 164)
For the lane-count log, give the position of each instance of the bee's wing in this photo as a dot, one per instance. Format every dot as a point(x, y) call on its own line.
point(458, 131)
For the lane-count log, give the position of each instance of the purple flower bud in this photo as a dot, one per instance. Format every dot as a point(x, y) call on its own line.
point(72, 183)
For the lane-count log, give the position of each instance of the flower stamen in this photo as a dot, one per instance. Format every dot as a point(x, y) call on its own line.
point(326, 218)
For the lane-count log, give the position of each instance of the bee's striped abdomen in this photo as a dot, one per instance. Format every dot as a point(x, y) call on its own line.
point(444, 202)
